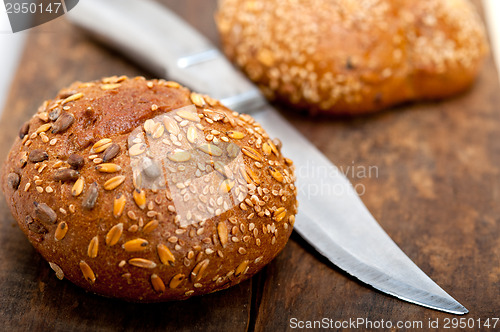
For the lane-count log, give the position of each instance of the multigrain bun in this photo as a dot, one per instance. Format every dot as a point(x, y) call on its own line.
point(350, 56)
point(144, 191)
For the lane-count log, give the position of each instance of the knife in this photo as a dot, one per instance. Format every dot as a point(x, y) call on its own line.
point(336, 224)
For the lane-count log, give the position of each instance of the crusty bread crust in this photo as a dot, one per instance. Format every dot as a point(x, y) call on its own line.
point(144, 191)
point(350, 56)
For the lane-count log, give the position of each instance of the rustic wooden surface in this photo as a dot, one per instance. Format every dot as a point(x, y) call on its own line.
point(435, 192)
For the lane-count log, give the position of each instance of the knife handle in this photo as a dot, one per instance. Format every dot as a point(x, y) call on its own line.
point(162, 42)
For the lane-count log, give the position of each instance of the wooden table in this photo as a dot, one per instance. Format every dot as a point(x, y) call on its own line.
point(436, 191)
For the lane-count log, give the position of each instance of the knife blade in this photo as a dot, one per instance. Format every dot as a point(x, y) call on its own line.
point(332, 217)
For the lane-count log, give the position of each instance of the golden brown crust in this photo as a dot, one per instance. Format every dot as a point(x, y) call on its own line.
point(189, 219)
point(351, 57)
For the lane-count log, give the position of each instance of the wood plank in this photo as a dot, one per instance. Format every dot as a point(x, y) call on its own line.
point(31, 298)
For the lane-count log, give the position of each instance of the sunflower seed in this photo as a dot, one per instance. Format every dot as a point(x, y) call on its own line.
point(111, 152)
point(77, 188)
point(90, 198)
point(176, 280)
point(87, 272)
point(93, 247)
point(114, 182)
point(44, 213)
point(119, 205)
point(54, 114)
point(76, 161)
point(143, 263)
point(37, 156)
point(211, 149)
point(65, 175)
point(23, 131)
point(61, 231)
point(63, 122)
point(135, 245)
point(165, 255)
point(114, 234)
point(59, 272)
point(35, 226)
point(13, 180)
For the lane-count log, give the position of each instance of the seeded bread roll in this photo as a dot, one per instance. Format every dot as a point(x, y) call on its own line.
point(350, 56)
point(144, 191)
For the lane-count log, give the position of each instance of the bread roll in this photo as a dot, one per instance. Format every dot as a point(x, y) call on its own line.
point(351, 56)
point(145, 191)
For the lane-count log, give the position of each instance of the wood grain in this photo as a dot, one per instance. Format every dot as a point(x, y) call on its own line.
point(435, 191)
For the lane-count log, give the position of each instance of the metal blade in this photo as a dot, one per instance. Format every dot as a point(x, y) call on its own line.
point(331, 216)
point(334, 220)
